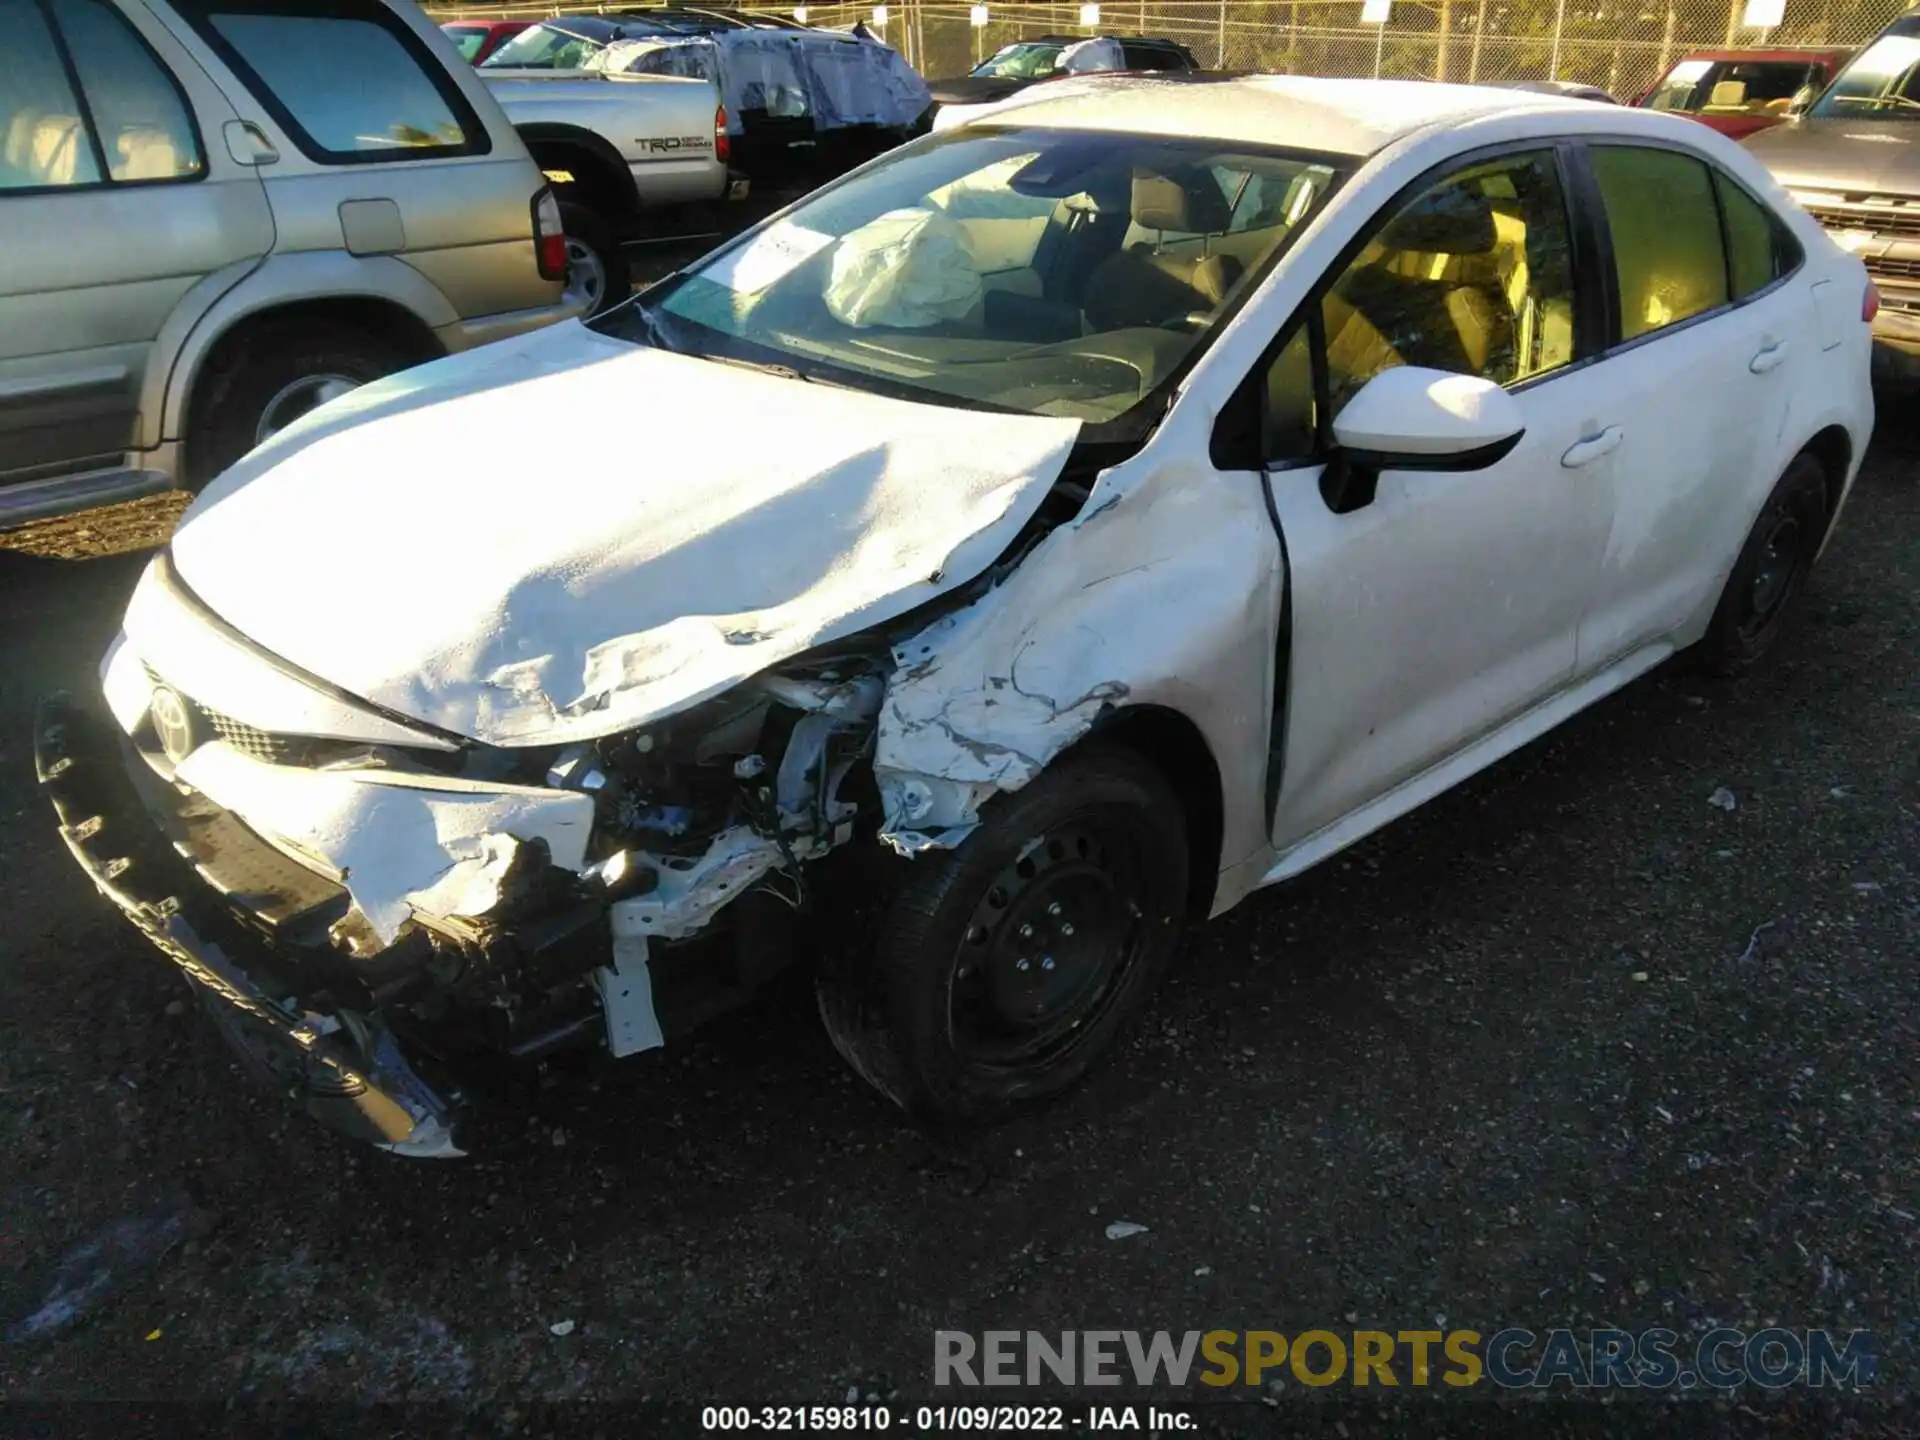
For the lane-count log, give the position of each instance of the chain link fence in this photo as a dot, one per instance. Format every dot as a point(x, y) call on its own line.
point(1623, 48)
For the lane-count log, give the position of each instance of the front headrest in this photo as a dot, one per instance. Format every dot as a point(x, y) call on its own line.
point(1728, 95)
point(1164, 202)
point(1449, 221)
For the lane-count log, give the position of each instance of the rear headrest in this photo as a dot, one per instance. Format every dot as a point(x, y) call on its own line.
point(1190, 203)
point(1448, 221)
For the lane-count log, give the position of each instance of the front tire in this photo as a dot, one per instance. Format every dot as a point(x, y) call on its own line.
point(1006, 967)
point(1770, 573)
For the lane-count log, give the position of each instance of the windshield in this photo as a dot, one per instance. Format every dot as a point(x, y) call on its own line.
point(1044, 272)
point(542, 48)
point(1881, 80)
point(1732, 87)
point(1027, 61)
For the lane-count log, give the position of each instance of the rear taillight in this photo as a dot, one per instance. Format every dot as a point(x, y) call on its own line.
point(1870, 303)
point(549, 237)
point(722, 143)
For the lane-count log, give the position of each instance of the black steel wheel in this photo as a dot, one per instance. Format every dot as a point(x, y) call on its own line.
point(1005, 967)
point(1771, 571)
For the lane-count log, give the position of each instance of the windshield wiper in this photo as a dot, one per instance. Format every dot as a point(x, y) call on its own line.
point(765, 367)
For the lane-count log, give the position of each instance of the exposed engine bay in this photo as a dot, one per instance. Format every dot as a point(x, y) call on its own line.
point(456, 898)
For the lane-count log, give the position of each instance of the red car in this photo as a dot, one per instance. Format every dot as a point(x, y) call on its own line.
point(1740, 91)
point(478, 39)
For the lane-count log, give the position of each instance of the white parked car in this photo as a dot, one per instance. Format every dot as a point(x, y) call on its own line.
point(1112, 510)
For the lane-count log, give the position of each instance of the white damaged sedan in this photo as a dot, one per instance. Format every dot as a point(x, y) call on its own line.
point(1083, 518)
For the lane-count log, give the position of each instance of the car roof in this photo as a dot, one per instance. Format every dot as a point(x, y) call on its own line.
point(635, 24)
point(1348, 117)
point(1123, 39)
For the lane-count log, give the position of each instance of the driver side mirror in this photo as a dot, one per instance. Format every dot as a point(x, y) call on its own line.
point(1413, 418)
point(1802, 100)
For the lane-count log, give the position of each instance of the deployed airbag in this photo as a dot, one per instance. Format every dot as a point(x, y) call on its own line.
point(907, 269)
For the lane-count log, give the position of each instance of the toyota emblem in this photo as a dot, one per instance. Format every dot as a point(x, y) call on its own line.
point(174, 722)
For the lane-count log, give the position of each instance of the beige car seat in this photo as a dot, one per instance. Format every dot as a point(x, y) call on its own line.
point(1144, 285)
point(49, 149)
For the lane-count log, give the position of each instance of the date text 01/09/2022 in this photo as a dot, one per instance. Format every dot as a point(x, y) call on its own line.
point(925, 1419)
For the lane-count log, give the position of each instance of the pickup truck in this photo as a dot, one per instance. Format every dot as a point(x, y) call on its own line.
point(616, 148)
point(637, 113)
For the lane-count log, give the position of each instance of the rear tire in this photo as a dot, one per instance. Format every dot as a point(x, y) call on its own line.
point(1006, 967)
point(597, 272)
point(1771, 572)
point(272, 377)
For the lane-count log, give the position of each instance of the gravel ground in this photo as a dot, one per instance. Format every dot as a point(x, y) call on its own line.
point(1572, 1046)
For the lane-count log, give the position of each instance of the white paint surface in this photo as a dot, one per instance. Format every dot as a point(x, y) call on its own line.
point(396, 841)
point(562, 537)
point(1411, 411)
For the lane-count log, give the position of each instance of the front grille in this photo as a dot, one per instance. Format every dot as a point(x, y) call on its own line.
point(258, 744)
point(254, 744)
point(1880, 219)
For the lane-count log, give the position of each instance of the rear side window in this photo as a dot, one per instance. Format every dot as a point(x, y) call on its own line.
point(1149, 57)
point(1667, 253)
point(128, 122)
point(347, 81)
point(139, 116)
point(1759, 251)
point(44, 140)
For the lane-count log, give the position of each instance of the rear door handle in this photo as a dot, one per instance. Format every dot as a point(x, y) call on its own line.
point(1585, 452)
point(1768, 359)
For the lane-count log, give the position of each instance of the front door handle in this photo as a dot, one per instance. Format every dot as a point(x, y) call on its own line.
point(1585, 452)
point(1769, 359)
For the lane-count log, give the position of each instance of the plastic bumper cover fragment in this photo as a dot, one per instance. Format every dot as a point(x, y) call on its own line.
point(366, 1092)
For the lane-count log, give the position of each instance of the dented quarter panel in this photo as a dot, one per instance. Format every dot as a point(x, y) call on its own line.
point(1164, 592)
point(560, 588)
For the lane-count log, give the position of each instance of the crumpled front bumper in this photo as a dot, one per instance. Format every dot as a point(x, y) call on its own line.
point(352, 1078)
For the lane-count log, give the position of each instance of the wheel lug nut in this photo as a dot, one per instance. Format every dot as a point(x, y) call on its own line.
point(1023, 963)
point(1026, 932)
point(1054, 909)
point(1047, 964)
point(1066, 929)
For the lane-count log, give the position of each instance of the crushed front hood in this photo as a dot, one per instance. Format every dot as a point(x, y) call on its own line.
point(566, 535)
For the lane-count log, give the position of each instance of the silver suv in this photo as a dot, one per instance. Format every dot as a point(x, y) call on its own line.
point(216, 215)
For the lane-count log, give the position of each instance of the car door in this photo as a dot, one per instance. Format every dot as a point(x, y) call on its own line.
point(113, 204)
point(1701, 386)
point(1428, 614)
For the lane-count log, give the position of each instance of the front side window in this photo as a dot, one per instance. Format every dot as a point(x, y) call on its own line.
point(44, 140)
point(1667, 255)
point(1039, 271)
point(1882, 81)
point(139, 116)
point(1731, 87)
point(347, 81)
point(1475, 276)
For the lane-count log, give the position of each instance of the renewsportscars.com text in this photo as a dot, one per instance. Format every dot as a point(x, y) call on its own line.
point(1514, 1358)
